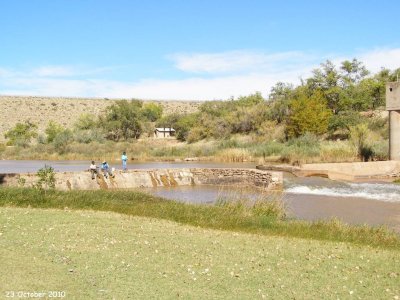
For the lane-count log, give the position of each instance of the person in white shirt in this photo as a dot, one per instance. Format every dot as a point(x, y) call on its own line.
point(93, 169)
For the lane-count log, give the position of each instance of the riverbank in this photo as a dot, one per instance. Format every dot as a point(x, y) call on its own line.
point(99, 255)
point(235, 149)
point(265, 217)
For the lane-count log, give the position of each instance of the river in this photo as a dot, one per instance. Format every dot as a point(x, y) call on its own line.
point(306, 198)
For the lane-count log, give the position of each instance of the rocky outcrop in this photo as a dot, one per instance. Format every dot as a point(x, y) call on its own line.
point(266, 180)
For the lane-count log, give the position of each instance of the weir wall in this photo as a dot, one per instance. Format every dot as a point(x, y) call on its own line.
point(354, 171)
point(266, 180)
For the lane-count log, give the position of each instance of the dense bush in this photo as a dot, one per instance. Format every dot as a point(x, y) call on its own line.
point(53, 129)
point(308, 115)
point(21, 134)
point(62, 140)
point(87, 136)
point(152, 112)
point(122, 120)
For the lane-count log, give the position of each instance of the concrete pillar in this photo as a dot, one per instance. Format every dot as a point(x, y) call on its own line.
point(393, 106)
point(394, 136)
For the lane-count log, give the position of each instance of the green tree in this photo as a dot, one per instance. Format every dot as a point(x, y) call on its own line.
point(123, 120)
point(308, 114)
point(352, 72)
point(86, 122)
point(52, 130)
point(279, 99)
point(152, 111)
point(21, 134)
point(184, 125)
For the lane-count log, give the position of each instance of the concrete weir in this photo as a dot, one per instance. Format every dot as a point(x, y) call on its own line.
point(266, 180)
point(355, 171)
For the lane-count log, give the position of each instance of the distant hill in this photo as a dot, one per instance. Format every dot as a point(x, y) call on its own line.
point(40, 110)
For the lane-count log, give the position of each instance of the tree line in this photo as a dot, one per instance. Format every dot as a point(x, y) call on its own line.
point(327, 104)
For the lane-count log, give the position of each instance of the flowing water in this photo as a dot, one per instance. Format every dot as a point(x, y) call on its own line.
point(306, 198)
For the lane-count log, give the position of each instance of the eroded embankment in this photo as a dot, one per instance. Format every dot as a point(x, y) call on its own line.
point(154, 178)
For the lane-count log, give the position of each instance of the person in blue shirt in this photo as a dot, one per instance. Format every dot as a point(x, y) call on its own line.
point(106, 170)
point(124, 159)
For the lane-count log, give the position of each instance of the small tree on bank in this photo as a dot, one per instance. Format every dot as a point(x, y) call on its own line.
point(123, 120)
point(308, 114)
point(21, 134)
point(47, 180)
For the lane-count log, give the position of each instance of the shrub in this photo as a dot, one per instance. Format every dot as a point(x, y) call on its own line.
point(52, 130)
point(46, 179)
point(41, 139)
point(380, 150)
point(21, 134)
point(359, 139)
point(86, 122)
point(62, 140)
point(87, 136)
point(343, 121)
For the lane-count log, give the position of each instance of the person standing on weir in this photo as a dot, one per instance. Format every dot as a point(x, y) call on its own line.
point(94, 170)
point(124, 159)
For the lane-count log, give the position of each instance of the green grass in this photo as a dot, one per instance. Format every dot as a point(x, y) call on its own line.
point(102, 255)
point(253, 219)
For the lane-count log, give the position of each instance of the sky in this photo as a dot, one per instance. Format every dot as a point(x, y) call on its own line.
point(185, 49)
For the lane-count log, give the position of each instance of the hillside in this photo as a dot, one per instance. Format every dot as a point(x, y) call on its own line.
point(40, 110)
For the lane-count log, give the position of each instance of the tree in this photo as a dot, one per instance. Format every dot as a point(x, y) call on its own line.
point(308, 114)
point(52, 130)
point(21, 134)
point(152, 112)
point(86, 122)
point(352, 72)
point(280, 91)
point(123, 120)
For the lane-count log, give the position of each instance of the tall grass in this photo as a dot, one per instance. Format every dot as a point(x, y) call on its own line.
point(246, 202)
point(262, 218)
point(306, 149)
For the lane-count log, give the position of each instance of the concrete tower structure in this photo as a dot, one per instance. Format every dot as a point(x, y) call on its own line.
point(393, 106)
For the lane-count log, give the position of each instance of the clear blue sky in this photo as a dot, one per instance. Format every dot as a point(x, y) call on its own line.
point(184, 49)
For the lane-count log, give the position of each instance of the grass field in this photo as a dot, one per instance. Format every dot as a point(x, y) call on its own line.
point(266, 216)
point(103, 255)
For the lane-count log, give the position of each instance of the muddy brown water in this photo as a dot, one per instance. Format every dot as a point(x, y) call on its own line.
point(375, 203)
